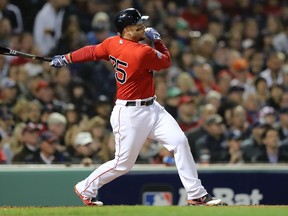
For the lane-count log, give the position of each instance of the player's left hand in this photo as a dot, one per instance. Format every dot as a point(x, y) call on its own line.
point(152, 34)
point(58, 61)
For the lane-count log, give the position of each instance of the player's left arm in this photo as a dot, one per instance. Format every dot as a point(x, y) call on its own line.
point(158, 58)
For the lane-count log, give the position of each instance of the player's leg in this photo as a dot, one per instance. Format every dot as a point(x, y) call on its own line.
point(131, 128)
point(168, 132)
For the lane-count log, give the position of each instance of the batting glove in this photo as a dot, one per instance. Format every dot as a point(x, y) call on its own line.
point(58, 61)
point(152, 34)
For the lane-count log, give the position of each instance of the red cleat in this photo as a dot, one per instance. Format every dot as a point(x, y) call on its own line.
point(88, 200)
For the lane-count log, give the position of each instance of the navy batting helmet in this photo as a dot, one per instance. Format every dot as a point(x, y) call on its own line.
point(129, 16)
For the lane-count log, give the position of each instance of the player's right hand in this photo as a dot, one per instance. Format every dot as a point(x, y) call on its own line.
point(58, 61)
point(152, 34)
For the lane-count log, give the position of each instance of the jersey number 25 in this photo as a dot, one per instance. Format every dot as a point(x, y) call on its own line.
point(120, 73)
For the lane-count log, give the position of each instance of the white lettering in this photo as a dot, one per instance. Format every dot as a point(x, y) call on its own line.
point(225, 194)
point(228, 196)
point(183, 197)
point(242, 199)
point(256, 197)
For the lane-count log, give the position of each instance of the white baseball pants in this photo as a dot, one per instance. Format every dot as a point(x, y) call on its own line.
point(132, 125)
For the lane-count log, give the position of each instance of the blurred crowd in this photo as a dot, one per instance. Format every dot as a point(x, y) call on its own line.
point(227, 86)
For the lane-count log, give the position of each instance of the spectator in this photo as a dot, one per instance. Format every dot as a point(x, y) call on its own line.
point(2, 154)
point(153, 152)
point(186, 83)
point(214, 98)
point(100, 28)
point(194, 15)
point(284, 70)
point(211, 147)
point(276, 93)
point(71, 114)
point(103, 108)
point(78, 95)
point(2, 157)
point(252, 105)
point(9, 92)
point(5, 33)
point(280, 41)
point(30, 142)
point(84, 153)
point(187, 117)
point(273, 153)
point(216, 27)
point(4, 66)
point(69, 138)
point(272, 74)
point(242, 77)
point(262, 90)
point(88, 11)
point(284, 99)
point(47, 153)
point(235, 95)
point(13, 13)
point(209, 42)
point(268, 115)
point(205, 80)
point(186, 61)
point(250, 33)
point(101, 136)
point(272, 7)
point(182, 32)
point(7, 122)
point(48, 25)
point(224, 80)
point(239, 121)
point(61, 83)
point(283, 125)
point(72, 37)
point(266, 45)
point(161, 90)
point(34, 112)
point(46, 96)
point(253, 146)
point(57, 123)
point(196, 133)
point(14, 143)
point(235, 154)
point(256, 63)
point(172, 101)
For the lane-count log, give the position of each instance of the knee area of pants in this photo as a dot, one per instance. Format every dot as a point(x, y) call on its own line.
point(122, 169)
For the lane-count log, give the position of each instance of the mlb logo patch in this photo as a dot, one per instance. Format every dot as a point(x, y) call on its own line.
point(159, 198)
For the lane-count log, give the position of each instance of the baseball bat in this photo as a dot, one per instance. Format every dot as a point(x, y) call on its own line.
point(11, 52)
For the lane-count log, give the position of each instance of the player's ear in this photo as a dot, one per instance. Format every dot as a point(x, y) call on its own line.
point(126, 31)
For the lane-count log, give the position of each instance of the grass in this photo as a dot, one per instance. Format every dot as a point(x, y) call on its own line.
point(146, 210)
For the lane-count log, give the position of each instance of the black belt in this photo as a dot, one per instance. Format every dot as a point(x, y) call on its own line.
point(142, 103)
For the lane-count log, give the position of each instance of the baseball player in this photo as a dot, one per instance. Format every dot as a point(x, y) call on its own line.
point(136, 115)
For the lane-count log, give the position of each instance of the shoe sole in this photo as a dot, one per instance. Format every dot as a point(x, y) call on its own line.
point(212, 203)
point(80, 196)
point(204, 204)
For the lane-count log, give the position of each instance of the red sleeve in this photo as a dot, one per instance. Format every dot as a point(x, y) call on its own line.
point(88, 53)
point(158, 58)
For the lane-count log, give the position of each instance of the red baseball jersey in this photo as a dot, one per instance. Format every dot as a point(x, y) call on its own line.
point(133, 64)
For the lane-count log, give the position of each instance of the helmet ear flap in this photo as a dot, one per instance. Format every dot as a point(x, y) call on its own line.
point(129, 16)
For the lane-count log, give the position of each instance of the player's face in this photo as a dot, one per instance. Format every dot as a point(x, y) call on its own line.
point(136, 32)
